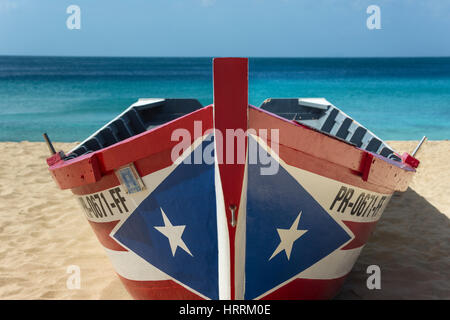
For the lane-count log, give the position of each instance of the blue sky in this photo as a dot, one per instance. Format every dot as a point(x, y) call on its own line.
point(308, 28)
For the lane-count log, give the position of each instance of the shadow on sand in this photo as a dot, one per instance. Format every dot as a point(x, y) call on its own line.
point(411, 245)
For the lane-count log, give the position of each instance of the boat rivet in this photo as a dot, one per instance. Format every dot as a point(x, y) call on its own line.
point(232, 208)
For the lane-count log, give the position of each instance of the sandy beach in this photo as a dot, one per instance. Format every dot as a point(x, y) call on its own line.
point(43, 231)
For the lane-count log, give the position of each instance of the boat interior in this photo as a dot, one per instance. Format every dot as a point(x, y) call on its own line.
point(321, 115)
point(316, 113)
point(141, 116)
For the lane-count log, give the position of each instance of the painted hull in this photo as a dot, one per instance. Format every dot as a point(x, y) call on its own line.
point(289, 227)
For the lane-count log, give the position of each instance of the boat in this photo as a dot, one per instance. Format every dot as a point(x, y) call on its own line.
point(230, 201)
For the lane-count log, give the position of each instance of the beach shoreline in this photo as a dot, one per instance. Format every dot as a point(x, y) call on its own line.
point(44, 232)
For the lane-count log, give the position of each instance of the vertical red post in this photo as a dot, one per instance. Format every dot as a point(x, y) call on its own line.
point(230, 117)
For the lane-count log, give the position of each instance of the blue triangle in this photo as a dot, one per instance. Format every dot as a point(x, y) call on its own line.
point(275, 201)
point(187, 197)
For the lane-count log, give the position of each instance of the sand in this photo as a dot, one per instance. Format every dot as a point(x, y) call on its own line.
point(43, 232)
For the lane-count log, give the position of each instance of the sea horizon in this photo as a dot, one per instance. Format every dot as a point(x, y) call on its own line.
point(242, 56)
point(69, 97)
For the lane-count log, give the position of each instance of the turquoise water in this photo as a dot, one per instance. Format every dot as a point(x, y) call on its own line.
point(69, 98)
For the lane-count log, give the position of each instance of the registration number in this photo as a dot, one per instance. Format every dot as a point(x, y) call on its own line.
point(104, 204)
point(361, 204)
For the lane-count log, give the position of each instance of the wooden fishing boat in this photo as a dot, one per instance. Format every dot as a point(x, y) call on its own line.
point(232, 201)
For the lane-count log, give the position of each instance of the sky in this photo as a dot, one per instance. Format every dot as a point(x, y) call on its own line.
point(253, 28)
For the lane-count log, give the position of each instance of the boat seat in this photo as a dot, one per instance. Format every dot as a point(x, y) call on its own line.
point(292, 109)
point(358, 136)
point(343, 130)
point(373, 145)
point(139, 117)
point(321, 115)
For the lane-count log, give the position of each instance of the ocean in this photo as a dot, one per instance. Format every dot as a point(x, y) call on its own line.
point(71, 97)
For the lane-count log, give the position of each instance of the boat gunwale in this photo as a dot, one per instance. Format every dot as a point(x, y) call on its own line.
point(98, 163)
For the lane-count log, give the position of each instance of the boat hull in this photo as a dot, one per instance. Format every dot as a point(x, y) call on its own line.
point(232, 202)
point(329, 202)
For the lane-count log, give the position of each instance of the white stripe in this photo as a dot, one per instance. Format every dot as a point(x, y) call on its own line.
point(131, 266)
point(223, 242)
point(240, 240)
point(336, 265)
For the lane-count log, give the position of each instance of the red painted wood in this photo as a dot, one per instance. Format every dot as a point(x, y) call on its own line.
point(106, 182)
point(53, 159)
point(362, 232)
point(331, 157)
point(102, 230)
point(158, 290)
point(152, 141)
point(390, 173)
point(366, 163)
point(409, 159)
point(307, 289)
point(151, 144)
point(148, 165)
point(230, 112)
point(346, 160)
point(327, 169)
point(76, 172)
point(299, 137)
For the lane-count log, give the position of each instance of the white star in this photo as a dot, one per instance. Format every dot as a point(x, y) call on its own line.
point(288, 237)
point(173, 233)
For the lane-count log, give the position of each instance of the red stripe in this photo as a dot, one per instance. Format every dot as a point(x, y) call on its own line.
point(153, 141)
point(327, 169)
point(230, 112)
point(305, 149)
point(154, 144)
point(106, 182)
point(362, 232)
point(307, 289)
point(102, 230)
point(158, 290)
point(313, 151)
point(77, 172)
point(148, 165)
